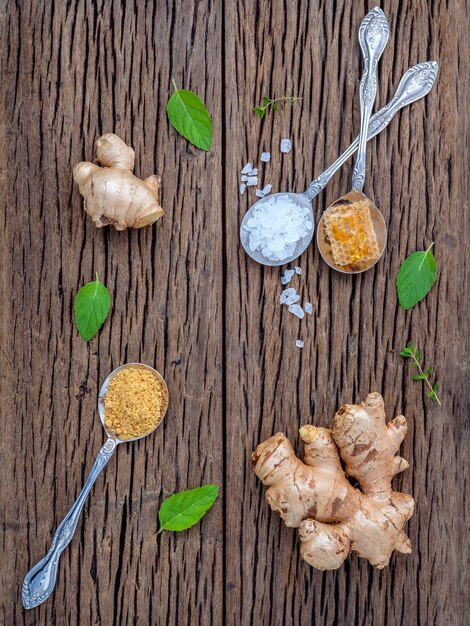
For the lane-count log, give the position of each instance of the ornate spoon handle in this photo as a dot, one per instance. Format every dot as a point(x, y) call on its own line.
point(40, 581)
point(373, 36)
point(415, 84)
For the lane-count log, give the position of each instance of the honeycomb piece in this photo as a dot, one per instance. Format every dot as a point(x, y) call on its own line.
point(351, 233)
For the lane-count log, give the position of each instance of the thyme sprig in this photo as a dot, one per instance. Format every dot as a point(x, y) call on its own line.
point(274, 104)
point(415, 355)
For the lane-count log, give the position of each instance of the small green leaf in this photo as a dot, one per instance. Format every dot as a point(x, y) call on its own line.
point(260, 111)
point(182, 510)
point(91, 308)
point(433, 393)
point(274, 106)
point(415, 278)
point(190, 118)
point(266, 101)
point(419, 377)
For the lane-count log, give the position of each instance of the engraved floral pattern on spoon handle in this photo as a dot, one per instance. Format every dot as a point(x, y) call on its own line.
point(373, 37)
point(415, 84)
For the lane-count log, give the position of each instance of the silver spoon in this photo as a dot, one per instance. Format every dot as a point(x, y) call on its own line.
point(40, 581)
point(414, 84)
point(358, 254)
point(373, 36)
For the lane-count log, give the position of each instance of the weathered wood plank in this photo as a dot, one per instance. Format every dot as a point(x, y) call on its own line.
point(417, 177)
point(72, 71)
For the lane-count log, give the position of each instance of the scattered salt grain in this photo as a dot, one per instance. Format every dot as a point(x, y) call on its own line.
point(299, 343)
point(244, 178)
point(260, 193)
point(287, 292)
point(308, 308)
point(286, 145)
point(289, 296)
point(248, 167)
point(267, 188)
point(287, 277)
point(242, 188)
point(276, 225)
point(252, 180)
point(297, 310)
point(253, 172)
point(298, 270)
point(265, 157)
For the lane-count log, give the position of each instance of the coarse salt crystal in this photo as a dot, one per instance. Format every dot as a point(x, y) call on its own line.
point(287, 292)
point(287, 277)
point(289, 296)
point(267, 188)
point(265, 157)
point(286, 145)
point(248, 167)
point(252, 180)
point(297, 310)
point(299, 343)
point(260, 193)
point(244, 178)
point(298, 270)
point(242, 188)
point(308, 308)
point(275, 226)
point(253, 172)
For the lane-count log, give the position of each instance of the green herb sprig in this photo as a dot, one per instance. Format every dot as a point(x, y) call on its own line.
point(415, 355)
point(274, 104)
point(182, 510)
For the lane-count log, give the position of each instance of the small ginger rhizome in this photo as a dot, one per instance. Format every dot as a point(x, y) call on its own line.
point(334, 517)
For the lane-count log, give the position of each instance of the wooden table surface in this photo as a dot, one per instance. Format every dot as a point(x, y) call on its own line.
point(187, 300)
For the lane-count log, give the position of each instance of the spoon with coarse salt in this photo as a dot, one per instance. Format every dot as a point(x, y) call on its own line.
point(40, 581)
point(276, 230)
point(414, 84)
point(351, 235)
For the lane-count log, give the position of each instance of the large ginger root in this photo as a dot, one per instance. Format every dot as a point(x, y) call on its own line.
point(333, 517)
point(112, 194)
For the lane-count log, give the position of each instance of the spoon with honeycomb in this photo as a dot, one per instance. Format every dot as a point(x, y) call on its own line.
point(351, 235)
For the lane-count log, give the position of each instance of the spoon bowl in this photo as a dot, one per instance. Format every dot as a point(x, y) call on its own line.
point(378, 226)
point(104, 389)
point(300, 199)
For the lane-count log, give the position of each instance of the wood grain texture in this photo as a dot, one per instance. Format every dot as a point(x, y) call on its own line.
point(188, 301)
point(73, 71)
point(417, 177)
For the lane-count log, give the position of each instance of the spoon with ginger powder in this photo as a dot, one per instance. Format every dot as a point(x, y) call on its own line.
point(351, 235)
point(40, 581)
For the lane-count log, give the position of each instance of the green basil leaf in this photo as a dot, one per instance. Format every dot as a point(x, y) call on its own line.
point(190, 118)
point(182, 510)
point(91, 308)
point(416, 277)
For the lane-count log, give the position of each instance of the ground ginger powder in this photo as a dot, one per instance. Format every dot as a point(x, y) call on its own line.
point(134, 403)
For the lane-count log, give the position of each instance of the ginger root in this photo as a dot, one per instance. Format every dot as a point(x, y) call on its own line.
point(334, 517)
point(112, 194)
